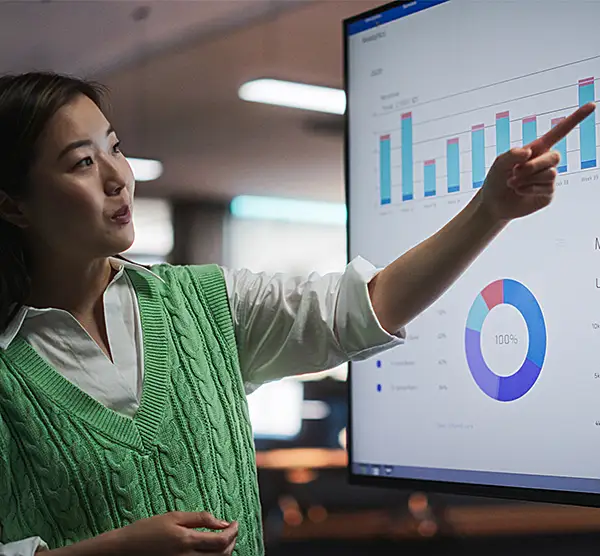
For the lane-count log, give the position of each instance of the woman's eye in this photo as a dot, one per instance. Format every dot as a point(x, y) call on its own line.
point(87, 161)
point(117, 147)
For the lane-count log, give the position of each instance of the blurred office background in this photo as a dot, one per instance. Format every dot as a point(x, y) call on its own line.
point(222, 189)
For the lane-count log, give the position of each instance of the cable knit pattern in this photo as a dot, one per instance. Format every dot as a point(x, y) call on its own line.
point(71, 468)
point(232, 389)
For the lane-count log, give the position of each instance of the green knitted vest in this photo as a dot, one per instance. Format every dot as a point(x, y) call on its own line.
point(70, 468)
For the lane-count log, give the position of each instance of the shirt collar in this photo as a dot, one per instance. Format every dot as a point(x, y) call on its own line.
point(15, 325)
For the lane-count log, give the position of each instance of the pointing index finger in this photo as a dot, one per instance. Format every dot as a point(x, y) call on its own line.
point(561, 130)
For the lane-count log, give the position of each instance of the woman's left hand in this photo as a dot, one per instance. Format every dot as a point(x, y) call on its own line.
point(522, 180)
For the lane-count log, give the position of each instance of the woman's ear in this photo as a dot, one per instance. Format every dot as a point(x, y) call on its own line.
point(12, 212)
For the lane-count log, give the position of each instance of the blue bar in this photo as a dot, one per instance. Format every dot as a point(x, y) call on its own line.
point(529, 130)
point(587, 128)
point(561, 148)
point(478, 154)
point(407, 157)
point(453, 161)
point(429, 178)
point(385, 169)
point(502, 132)
point(391, 14)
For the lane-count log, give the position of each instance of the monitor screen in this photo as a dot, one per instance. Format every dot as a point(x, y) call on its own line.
point(496, 389)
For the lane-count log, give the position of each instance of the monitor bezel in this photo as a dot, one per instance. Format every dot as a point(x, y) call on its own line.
point(442, 487)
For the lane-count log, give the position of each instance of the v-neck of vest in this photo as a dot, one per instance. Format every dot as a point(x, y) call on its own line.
point(140, 431)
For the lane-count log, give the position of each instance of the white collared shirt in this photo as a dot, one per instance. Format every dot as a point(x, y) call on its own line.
point(284, 325)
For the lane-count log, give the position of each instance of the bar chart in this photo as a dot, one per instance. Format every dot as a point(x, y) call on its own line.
point(427, 169)
point(429, 173)
point(587, 129)
point(502, 132)
point(407, 157)
point(529, 129)
point(453, 157)
point(478, 154)
point(561, 148)
point(385, 178)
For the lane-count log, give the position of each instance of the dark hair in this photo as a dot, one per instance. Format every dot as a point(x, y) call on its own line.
point(27, 103)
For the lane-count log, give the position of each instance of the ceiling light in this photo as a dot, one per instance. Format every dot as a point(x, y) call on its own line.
point(288, 210)
point(294, 95)
point(145, 169)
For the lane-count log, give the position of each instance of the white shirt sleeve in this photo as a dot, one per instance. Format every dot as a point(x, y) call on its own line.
point(288, 325)
point(26, 547)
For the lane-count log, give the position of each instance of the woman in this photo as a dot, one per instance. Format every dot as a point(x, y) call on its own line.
point(123, 421)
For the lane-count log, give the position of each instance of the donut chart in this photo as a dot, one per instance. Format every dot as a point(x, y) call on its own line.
point(513, 387)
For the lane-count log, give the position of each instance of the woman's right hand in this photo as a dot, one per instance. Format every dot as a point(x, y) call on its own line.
point(170, 534)
point(174, 534)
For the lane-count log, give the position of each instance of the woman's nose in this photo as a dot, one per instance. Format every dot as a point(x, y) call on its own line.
point(114, 180)
point(114, 188)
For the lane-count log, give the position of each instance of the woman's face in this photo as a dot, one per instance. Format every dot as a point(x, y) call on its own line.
point(81, 186)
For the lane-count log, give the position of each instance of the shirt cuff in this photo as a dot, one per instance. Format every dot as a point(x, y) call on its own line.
point(359, 331)
point(26, 547)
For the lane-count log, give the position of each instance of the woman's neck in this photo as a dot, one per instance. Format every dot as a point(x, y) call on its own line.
point(73, 285)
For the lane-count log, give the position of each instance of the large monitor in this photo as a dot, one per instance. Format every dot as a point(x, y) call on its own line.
point(496, 390)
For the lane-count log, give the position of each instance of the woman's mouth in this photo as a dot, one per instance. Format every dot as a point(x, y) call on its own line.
point(122, 216)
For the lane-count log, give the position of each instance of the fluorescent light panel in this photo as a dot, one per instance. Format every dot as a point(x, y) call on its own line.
point(288, 210)
point(294, 95)
point(145, 169)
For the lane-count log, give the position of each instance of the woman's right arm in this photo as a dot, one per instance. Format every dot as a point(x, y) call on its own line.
point(171, 534)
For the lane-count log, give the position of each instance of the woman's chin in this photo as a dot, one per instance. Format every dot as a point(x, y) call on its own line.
point(124, 240)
